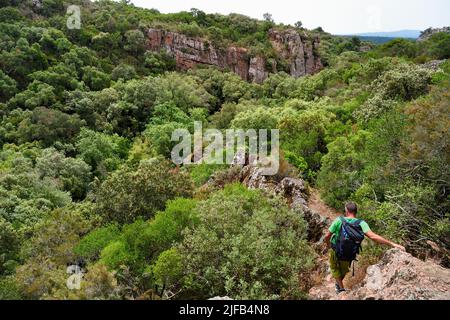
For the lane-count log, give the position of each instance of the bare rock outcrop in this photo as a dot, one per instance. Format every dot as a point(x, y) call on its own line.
point(299, 51)
point(433, 65)
point(426, 34)
point(292, 189)
point(397, 276)
point(400, 276)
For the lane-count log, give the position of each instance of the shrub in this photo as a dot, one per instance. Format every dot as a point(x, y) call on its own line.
point(128, 194)
point(91, 245)
point(246, 246)
point(123, 71)
point(404, 82)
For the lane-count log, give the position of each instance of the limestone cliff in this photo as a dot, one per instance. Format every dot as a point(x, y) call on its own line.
point(298, 51)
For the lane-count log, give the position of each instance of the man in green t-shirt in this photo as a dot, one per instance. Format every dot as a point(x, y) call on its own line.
point(340, 268)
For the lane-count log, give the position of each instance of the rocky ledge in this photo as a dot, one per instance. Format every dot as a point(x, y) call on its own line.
point(397, 276)
point(299, 52)
point(293, 190)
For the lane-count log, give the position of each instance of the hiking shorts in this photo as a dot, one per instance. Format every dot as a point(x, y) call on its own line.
point(338, 268)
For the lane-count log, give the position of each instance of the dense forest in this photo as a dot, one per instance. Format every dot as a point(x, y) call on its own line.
point(86, 117)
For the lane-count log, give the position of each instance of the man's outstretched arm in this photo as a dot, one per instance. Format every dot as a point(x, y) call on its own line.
point(379, 239)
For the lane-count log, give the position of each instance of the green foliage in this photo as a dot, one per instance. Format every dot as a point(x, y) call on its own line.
point(48, 126)
point(297, 161)
point(405, 82)
point(438, 46)
point(9, 289)
point(134, 41)
point(115, 254)
point(303, 133)
point(246, 246)
point(48, 253)
point(26, 197)
point(140, 192)
point(123, 71)
point(398, 47)
point(74, 175)
point(159, 62)
point(84, 113)
point(10, 14)
point(91, 245)
point(160, 137)
point(8, 86)
point(168, 268)
point(10, 240)
point(37, 94)
point(200, 173)
point(102, 152)
point(95, 79)
point(140, 245)
point(258, 118)
point(340, 174)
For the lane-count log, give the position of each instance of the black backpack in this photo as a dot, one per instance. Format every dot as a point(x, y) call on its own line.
point(348, 242)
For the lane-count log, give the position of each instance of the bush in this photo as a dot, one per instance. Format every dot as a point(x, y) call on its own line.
point(115, 255)
point(123, 71)
point(260, 118)
point(128, 194)
point(9, 247)
point(95, 79)
point(245, 246)
point(303, 133)
point(91, 245)
point(160, 137)
point(341, 171)
point(168, 268)
point(102, 152)
point(405, 82)
point(9, 290)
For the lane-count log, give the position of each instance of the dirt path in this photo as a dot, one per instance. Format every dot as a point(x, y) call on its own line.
point(324, 283)
point(323, 288)
point(317, 204)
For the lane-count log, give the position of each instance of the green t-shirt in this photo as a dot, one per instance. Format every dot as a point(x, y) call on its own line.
point(336, 227)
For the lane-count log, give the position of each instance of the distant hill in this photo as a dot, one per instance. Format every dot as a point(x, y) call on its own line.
point(376, 40)
point(413, 34)
point(382, 37)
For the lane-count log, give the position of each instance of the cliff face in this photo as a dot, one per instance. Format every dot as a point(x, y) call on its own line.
point(300, 53)
point(425, 35)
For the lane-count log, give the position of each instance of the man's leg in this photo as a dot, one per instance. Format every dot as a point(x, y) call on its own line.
point(344, 267)
point(335, 269)
point(340, 282)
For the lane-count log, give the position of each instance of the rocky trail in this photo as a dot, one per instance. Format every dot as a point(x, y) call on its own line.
point(324, 286)
point(397, 276)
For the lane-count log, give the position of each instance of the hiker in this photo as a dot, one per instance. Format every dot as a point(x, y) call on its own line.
point(345, 236)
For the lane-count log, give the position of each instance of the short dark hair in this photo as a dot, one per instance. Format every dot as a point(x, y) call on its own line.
point(351, 207)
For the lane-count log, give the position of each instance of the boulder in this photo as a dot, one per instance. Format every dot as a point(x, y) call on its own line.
point(400, 276)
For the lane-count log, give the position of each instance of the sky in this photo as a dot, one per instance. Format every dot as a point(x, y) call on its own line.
point(334, 16)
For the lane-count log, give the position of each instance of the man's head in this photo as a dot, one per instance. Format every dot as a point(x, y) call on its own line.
point(351, 209)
